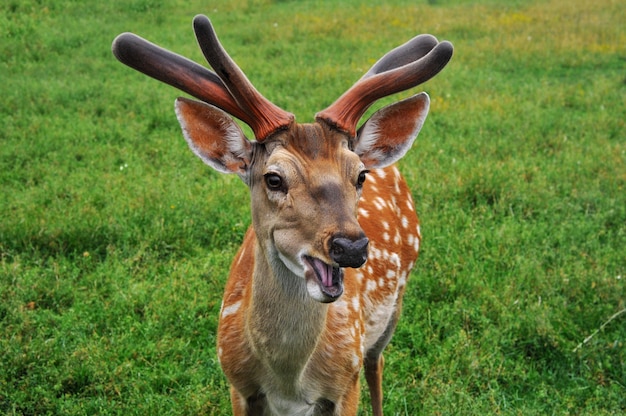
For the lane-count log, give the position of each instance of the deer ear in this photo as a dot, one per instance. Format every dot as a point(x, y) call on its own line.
point(214, 136)
point(390, 132)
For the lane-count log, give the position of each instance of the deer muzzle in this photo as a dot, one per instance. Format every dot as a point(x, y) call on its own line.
point(349, 253)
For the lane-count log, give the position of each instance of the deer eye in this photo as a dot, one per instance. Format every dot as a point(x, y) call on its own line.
point(274, 182)
point(361, 179)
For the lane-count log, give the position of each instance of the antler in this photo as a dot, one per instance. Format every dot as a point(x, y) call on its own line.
point(231, 90)
point(175, 70)
point(402, 68)
point(267, 116)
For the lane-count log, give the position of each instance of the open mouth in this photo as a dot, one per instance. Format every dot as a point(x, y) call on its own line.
point(328, 278)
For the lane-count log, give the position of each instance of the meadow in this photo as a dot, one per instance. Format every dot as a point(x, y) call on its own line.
point(115, 241)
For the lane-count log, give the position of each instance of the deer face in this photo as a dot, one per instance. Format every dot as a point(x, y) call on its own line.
point(305, 183)
point(305, 187)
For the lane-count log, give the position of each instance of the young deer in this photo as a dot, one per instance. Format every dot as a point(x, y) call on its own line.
point(303, 311)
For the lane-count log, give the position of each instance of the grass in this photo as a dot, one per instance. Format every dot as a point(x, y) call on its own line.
point(115, 241)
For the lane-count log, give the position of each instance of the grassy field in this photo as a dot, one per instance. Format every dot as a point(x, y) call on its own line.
point(115, 240)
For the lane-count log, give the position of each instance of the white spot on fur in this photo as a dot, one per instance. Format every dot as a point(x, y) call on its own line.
point(231, 309)
point(341, 305)
point(355, 360)
point(374, 252)
point(395, 260)
point(355, 303)
point(381, 201)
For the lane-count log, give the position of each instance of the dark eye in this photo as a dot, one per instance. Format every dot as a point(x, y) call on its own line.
point(274, 182)
point(361, 179)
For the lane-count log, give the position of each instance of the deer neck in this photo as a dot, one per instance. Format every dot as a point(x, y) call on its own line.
point(284, 323)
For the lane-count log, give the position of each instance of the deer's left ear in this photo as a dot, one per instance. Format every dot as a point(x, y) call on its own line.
point(390, 132)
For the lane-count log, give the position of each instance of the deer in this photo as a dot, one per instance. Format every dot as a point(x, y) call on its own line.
point(315, 291)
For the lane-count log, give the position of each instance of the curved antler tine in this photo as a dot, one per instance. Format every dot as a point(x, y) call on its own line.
point(266, 117)
point(175, 70)
point(403, 55)
point(384, 79)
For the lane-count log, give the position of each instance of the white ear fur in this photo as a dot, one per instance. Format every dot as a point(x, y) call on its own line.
point(390, 132)
point(214, 136)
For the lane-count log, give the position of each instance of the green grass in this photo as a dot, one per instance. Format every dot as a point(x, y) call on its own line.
point(115, 240)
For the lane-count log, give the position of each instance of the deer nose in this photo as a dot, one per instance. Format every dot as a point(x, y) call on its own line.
point(349, 253)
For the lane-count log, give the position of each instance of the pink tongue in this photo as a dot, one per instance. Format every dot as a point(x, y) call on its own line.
point(325, 272)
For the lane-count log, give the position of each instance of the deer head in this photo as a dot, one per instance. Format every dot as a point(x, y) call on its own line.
point(305, 179)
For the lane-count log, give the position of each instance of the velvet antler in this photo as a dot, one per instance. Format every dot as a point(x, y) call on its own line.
point(267, 117)
point(404, 67)
point(230, 90)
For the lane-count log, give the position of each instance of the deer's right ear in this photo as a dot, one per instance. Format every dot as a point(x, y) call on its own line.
point(214, 136)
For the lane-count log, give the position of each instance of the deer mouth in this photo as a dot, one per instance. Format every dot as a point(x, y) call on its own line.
point(324, 278)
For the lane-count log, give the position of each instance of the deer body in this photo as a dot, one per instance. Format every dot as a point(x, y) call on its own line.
point(315, 351)
point(315, 291)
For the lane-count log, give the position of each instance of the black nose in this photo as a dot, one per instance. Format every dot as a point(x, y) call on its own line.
point(349, 253)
